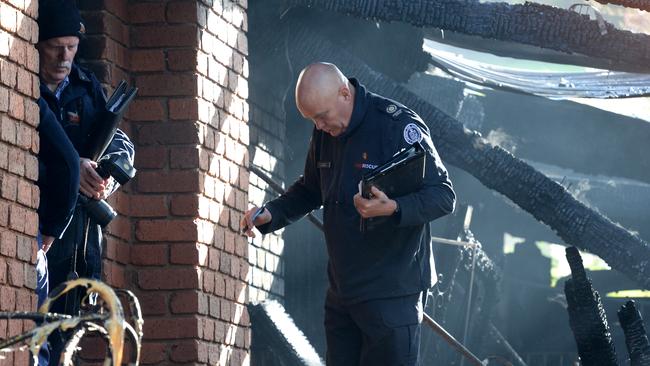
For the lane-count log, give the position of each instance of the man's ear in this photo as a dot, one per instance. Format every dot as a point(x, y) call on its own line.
point(344, 91)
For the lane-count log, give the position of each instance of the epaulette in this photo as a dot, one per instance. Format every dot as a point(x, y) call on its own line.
point(413, 129)
point(83, 74)
point(395, 110)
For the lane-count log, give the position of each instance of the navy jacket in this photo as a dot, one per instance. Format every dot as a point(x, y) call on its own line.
point(77, 111)
point(395, 258)
point(58, 174)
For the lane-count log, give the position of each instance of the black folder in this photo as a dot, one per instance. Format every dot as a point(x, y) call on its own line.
point(102, 134)
point(401, 175)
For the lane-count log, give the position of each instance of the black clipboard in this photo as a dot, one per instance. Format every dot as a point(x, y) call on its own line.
point(400, 175)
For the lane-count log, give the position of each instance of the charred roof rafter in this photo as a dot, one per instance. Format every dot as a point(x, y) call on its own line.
point(530, 23)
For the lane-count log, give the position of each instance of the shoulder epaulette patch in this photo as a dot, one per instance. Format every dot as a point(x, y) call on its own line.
point(412, 133)
point(83, 76)
point(393, 109)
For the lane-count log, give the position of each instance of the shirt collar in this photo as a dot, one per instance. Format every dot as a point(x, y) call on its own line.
point(62, 85)
point(359, 109)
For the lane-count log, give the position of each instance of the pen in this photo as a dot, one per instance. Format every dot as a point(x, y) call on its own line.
point(253, 218)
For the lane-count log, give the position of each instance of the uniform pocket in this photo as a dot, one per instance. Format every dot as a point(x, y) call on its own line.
point(391, 330)
point(402, 311)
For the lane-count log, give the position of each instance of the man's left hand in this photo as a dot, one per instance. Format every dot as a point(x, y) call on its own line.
point(378, 205)
point(92, 184)
point(108, 182)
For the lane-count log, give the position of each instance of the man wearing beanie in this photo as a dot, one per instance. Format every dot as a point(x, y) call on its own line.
point(76, 98)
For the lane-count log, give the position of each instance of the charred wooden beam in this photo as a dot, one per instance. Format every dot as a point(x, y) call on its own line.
point(636, 339)
point(547, 200)
point(533, 24)
point(516, 50)
point(637, 4)
point(587, 316)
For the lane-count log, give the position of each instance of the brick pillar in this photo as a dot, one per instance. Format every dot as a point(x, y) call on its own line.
point(19, 195)
point(187, 263)
point(166, 200)
point(175, 242)
point(223, 160)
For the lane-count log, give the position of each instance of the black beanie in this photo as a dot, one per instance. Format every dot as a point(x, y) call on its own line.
point(59, 18)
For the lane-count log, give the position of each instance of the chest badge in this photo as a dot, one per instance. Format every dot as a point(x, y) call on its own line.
point(74, 117)
point(412, 134)
point(391, 108)
point(364, 156)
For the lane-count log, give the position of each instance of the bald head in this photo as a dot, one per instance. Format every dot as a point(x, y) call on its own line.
point(318, 81)
point(324, 95)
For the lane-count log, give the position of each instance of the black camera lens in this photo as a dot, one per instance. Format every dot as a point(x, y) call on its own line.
point(98, 210)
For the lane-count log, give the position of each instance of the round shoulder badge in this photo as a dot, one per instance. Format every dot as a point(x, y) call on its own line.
point(391, 108)
point(412, 133)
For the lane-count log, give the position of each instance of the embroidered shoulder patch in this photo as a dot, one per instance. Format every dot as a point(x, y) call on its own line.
point(412, 133)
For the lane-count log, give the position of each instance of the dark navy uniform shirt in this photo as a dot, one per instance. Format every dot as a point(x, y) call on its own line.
point(393, 259)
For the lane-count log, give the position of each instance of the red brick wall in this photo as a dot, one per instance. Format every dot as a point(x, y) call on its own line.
point(223, 160)
point(18, 164)
point(176, 243)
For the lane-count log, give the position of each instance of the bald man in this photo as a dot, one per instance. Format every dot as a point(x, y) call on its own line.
point(378, 278)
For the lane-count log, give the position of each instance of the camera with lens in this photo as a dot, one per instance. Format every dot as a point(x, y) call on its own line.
point(96, 143)
point(121, 169)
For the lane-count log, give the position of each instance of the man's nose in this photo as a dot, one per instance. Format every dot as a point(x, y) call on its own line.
point(66, 55)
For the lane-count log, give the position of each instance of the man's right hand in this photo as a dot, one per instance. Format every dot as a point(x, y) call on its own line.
point(91, 184)
point(247, 224)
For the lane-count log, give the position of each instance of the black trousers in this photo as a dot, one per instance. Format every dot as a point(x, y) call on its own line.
point(376, 332)
point(60, 258)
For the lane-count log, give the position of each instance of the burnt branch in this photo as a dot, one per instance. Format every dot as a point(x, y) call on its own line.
point(587, 316)
point(636, 338)
point(530, 23)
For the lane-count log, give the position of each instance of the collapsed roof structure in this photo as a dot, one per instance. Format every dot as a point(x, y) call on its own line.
point(530, 23)
point(381, 43)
